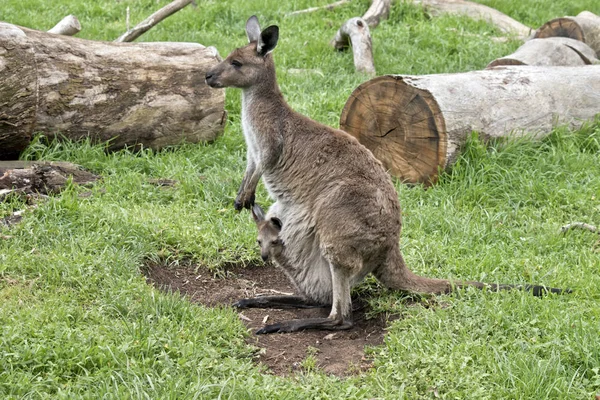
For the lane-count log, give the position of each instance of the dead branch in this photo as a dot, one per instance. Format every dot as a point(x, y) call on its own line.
point(379, 10)
point(68, 26)
point(152, 20)
point(356, 31)
point(313, 9)
point(477, 11)
point(580, 225)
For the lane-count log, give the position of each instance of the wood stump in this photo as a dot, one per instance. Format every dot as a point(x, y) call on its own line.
point(416, 125)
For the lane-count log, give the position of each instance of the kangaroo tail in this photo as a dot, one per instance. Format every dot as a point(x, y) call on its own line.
point(536, 290)
point(396, 276)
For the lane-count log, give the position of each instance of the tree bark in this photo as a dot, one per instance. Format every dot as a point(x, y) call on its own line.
point(477, 11)
point(584, 27)
point(143, 94)
point(553, 51)
point(416, 125)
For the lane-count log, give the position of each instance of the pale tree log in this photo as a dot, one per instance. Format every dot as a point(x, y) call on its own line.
point(143, 94)
point(479, 12)
point(416, 125)
point(313, 9)
point(553, 51)
point(68, 26)
point(152, 20)
point(356, 31)
point(584, 27)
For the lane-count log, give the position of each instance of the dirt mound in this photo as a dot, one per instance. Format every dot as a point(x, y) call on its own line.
point(340, 353)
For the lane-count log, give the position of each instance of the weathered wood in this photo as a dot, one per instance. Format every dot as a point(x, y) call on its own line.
point(379, 10)
point(68, 26)
point(553, 51)
point(356, 31)
point(479, 12)
point(142, 94)
point(584, 27)
point(41, 177)
point(417, 124)
point(152, 20)
point(313, 9)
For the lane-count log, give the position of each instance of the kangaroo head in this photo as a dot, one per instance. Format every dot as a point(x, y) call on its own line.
point(268, 233)
point(250, 64)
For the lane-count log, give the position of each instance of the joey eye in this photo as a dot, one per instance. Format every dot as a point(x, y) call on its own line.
point(236, 64)
point(259, 242)
point(275, 242)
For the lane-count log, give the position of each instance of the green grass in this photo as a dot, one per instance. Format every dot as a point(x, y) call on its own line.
point(77, 319)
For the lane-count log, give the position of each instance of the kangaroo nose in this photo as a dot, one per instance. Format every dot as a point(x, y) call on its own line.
point(208, 75)
point(264, 257)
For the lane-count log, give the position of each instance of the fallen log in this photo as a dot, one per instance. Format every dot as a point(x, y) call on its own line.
point(553, 51)
point(416, 125)
point(584, 27)
point(479, 12)
point(41, 177)
point(142, 94)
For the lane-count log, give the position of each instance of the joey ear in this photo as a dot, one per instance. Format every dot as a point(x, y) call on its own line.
point(257, 213)
point(252, 29)
point(276, 223)
point(268, 40)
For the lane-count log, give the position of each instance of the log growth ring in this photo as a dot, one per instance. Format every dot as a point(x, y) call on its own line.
point(401, 125)
point(562, 27)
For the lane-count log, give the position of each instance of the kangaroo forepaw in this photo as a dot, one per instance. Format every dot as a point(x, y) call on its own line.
point(242, 202)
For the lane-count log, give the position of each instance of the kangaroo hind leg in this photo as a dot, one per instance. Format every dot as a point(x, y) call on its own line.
point(339, 318)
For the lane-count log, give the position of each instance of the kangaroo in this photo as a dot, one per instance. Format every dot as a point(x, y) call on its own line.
point(338, 211)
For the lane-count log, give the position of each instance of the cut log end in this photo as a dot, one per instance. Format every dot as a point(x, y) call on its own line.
point(402, 126)
point(561, 27)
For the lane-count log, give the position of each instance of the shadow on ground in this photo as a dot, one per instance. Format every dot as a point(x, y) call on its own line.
point(340, 353)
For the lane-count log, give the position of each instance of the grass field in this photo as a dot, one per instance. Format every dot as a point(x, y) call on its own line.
point(77, 319)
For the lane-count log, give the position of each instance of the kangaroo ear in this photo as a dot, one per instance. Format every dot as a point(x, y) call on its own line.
point(276, 223)
point(252, 29)
point(257, 213)
point(268, 40)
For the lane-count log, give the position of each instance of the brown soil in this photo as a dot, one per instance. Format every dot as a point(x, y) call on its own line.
point(341, 353)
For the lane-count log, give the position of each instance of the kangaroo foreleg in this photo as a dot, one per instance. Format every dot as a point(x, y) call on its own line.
point(278, 302)
point(246, 193)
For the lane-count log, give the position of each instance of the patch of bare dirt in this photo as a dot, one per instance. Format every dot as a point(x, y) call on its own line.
point(341, 353)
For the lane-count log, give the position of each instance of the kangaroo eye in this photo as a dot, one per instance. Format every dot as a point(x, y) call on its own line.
point(236, 63)
point(259, 242)
point(275, 242)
